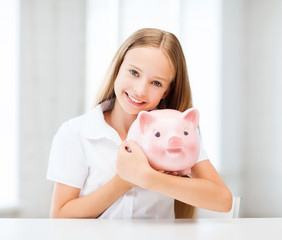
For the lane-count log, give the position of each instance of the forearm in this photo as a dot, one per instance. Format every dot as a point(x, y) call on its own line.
point(197, 192)
point(206, 189)
point(94, 204)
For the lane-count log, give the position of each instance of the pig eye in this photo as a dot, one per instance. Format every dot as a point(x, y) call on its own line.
point(156, 133)
point(186, 133)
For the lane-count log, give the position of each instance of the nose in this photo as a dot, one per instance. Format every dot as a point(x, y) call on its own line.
point(140, 88)
point(175, 142)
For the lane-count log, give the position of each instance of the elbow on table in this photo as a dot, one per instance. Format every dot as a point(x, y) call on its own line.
point(227, 201)
point(54, 214)
point(57, 213)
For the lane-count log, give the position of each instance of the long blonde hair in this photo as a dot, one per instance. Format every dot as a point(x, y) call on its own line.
point(179, 96)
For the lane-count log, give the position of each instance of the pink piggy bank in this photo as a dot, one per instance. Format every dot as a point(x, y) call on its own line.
point(168, 138)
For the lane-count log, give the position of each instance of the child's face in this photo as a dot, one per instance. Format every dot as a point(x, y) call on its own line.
point(143, 79)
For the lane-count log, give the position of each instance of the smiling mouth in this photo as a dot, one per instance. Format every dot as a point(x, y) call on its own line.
point(174, 152)
point(134, 100)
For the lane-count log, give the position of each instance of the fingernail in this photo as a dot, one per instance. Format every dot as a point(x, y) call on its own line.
point(128, 149)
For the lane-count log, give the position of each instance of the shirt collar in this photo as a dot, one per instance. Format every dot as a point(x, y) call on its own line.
point(94, 125)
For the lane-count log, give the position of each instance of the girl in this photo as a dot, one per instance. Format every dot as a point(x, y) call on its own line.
point(96, 176)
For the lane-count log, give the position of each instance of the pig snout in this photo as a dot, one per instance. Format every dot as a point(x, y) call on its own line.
point(175, 143)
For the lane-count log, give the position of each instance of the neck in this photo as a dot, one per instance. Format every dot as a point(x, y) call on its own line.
point(119, 120)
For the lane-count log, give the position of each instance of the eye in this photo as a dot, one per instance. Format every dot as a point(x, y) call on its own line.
point(156, 133)
point(134, 73)
point(186, 133)
point(157, 84)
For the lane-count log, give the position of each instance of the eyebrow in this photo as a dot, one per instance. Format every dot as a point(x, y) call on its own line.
point(155, 77)
point(134, 66)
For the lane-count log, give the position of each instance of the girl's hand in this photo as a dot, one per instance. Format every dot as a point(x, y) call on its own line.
point(175, 173)
point(132, 164)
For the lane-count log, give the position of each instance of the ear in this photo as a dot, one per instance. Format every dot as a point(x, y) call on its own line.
point(145, 119)
point(191, 115)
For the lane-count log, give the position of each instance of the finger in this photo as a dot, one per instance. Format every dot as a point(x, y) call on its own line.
point(124, 144)
point(175, 173)
point(132, 145)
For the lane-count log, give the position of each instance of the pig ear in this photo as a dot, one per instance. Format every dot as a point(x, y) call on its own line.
point(145, 120)
point(191, 115)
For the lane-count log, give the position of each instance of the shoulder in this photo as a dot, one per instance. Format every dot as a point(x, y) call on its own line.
point(71, 127)
point(87, 125)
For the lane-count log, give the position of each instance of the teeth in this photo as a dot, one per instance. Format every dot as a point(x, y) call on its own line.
point(134, 100)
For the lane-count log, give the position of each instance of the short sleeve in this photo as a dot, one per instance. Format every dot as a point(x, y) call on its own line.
point(67, 163)
point(203, 154)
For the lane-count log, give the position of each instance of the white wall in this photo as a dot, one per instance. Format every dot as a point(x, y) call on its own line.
point(252, 110)
point(261, 183)
point(9, 49)
point(52, 66)
point(233, 93)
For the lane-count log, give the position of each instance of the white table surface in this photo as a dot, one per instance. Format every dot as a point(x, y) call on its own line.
point(242, 228)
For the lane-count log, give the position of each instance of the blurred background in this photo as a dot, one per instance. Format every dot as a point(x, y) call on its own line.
point(54, 54)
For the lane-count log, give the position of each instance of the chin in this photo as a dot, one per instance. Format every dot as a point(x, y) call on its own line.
point(129, 110)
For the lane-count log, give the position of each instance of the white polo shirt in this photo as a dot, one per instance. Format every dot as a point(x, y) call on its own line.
point(83, 155)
